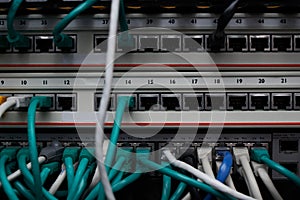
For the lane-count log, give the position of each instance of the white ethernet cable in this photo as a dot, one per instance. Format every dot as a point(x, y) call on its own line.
point(204, 177)
point(228, 180)
point(242, 157)
point(96, 177)
point(261, 171)
point(205, 157)
point(109, 69)
point(17, 173)
point(13, 102)
point(241, 171)
point(61, 177)
point(187, 197)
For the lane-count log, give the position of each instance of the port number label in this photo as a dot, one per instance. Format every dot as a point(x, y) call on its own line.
point(239, 81)
point(172, 81)
point(45, 82)
point(150, 82)
point(194, 21)
point(104, 21)
point(283, 80)
point(67, 82)
point(24, 82)
point(22, 22)
point(283, 21)
point(217, 81)
point(44, 22)
point(128, 81)
point(261, 81)
point(1, 22)
point(261, 21)
point(149, 21)
point(195, 81)
point(172, 21)
point(2, 82)
point(238, 21)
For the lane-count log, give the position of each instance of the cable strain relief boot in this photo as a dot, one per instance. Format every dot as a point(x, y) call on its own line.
point(217, 41)
point(53, 152)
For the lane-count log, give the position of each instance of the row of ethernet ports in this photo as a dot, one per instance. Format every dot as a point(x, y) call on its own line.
point(209, 101)
point(38, 44)
point(198, 43)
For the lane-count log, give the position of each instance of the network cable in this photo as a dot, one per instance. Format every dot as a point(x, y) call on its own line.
point(35, 102)
point(217, 39)
point(224, 170)
point(179, 191)
point(13, 102)
point(7, 155)
point(204, 156)
point(109, 68)
point(261, 155)
point(166, 191)
point(204, 177)
point(242, 158)
point(18, 172)
point(14, 37)
point(261, 171)
point(62, 40)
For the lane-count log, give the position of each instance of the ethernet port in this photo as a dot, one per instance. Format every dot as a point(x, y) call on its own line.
point(68, 49)
point(288, 146)
point(237, 101)
point(97, 99)
point(193, 102)
point(282, 101)
point(126, 42)
point(259, 101)
point(149, 102)
point(193, 43)
point(100, 43)
point(4, 44)
point(260, 43)
point(171, 101)
point(222, 47)
point(24, 49)
point(148, 43)
point(44, 44)
point(171, 43)
point(297, 101)
point(24, 103)
point(297, 42)
point(66, 102)
point(52, 96)
point(215, 101)
point(134, 96)
point(237, 43)
point(282, 43)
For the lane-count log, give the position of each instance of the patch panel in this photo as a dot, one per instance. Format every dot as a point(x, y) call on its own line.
point(66, 102)
point(282, 101)
point(282, 43)
point(260, 43)
point(237, 43)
